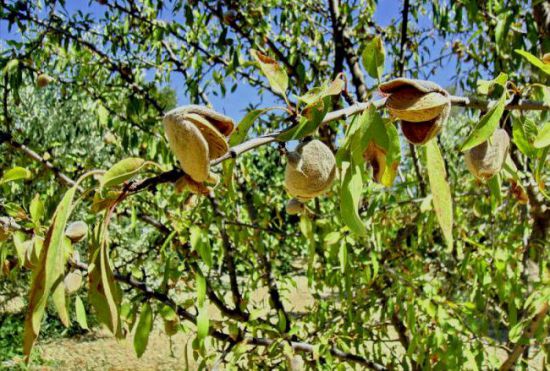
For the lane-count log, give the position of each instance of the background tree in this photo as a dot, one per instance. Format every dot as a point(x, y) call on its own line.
point(424, 270)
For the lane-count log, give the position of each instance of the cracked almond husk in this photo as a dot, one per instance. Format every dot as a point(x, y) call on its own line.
point(422, 106)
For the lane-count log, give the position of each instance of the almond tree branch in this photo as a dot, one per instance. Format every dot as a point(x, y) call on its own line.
point(523, 342)
point(265, 261)
point(229, 254)
point(396, 321)
point(342, 114)
point(184, 314)
point(344, 42)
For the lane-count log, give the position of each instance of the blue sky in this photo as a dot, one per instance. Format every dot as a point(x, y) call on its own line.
point(234, 104)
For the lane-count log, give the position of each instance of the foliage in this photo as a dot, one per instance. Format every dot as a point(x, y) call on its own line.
point(412, 263)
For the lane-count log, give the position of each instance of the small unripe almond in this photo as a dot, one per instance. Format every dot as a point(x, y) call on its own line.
point(76, 231)
point(486, 160)
point(72, 282)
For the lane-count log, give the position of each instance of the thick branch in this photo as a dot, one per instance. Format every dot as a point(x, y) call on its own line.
point(345, 45)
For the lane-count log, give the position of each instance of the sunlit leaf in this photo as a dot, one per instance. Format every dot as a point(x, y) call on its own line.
point(486, 126)
point(374, 56)
point(276, 75)
point(36, 209)
point(200, 243)
point(484, 86)
point(534, 61)
point(80, 313)
point(16, 173)
point(350, 196)
point(441, 192)
point(143, 329)
point(543, 138)
point(103, 292)
point(49, 271)
point(122, 171)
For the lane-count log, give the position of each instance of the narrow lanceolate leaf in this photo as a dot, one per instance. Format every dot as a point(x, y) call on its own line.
point(313, 116)
point(240, 133)
point(441, 192)
point(36, 209)
point(199, 243)
point(374, 57)
point(486, 126)
point(143, 329)
point(104, 293)
point(534, 61)
point(350, 195)
point(543, 138)
point(16, 173)
point(51, 267)
point(122, 171)
point(80, 313)
point(203, 321)
point(276, 75)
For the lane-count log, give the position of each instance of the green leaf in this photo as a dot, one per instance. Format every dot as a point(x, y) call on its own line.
point(276, 75)
point(441, 192)
point(494, 184)
point(314, 95)
point(200, 243)
point(534, 61)
point(313, 117)
point(543, 138)
point(50, 270)
point(343, 256)
point(350, 196)
point(36, 209)
point(524, 132)
point(80, 313)
point(240, 133)
point(103, 291)
point(20, 246)
point(486, 126)
point(373, 57)
point(11, 67)
point(102, 115)
point(201, 289)
point(16, 173)
point(202, 318)
point(143, 329)
point(122, 171)
point(203, 322)
point(484, 86)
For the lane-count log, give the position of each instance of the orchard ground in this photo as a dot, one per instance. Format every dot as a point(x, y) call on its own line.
point(98, 350)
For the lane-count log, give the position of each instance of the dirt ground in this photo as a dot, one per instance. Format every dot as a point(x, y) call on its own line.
point(100, 351)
